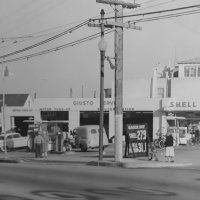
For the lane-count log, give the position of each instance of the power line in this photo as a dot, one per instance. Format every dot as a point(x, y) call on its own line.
point(71, 44)
point(166, 16)
point(45, 41)
point(151, 6)
point(151, 13)
point(34, 35)
point(96, 35)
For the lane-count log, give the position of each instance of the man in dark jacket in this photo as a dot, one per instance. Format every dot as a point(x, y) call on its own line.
point(169, 147)
point(38, 141)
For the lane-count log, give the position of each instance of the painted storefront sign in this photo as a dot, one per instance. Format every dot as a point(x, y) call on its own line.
point(180, 105)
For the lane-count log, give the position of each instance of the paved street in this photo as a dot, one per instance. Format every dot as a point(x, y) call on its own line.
point(42, 182)
point(69, 176)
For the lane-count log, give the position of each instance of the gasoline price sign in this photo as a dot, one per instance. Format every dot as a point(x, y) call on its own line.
point(137, 138)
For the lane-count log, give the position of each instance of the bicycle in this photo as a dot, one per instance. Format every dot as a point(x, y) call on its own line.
point(160, 142)
point(194, 141)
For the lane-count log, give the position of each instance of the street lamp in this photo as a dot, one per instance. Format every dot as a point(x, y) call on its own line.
point(102, 48)
point(5, 74)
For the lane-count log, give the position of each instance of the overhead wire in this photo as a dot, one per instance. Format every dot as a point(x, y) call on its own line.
point(32, 36)
point(85, 39)
point(166, 16)
point(96, 35)
point(45, 41)
point(150, 13)
point(151, 6)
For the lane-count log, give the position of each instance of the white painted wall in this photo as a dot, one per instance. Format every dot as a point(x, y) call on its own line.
point(185, 87)
point(74, 119)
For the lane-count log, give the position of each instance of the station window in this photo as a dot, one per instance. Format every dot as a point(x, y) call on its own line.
point(191, 71)
point(160, 92)
point(198, 71)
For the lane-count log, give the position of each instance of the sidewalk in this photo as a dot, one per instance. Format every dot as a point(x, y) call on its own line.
point(185, 156)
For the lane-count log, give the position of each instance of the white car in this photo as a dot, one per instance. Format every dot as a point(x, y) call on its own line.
point(13, 140)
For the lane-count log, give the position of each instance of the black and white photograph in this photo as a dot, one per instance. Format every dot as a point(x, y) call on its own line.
point(99, 99)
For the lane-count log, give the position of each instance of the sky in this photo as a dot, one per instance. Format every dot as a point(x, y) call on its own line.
point(26, 22)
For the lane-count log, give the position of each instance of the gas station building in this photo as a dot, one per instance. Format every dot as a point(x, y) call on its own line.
point(171, 98)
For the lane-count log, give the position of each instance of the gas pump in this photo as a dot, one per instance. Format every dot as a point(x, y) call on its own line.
point(56, 137)
point(60, 137)
point(32, 130)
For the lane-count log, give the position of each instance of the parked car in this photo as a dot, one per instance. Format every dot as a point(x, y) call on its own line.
point(88, 137)
point(13, 141)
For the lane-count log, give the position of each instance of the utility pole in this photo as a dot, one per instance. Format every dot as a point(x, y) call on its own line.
point(118, 49)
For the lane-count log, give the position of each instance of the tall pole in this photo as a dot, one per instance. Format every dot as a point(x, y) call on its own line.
point(3, 113)
point(118, 84)
point(102, 58)
point(119, 25)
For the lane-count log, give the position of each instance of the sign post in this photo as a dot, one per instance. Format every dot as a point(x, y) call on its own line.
point(137, 139)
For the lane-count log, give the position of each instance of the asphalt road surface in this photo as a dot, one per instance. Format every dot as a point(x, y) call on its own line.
point(80, 182)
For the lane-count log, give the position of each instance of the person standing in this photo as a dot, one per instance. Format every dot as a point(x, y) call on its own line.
point(169, 147)
point(38, 141)
point(45, 144)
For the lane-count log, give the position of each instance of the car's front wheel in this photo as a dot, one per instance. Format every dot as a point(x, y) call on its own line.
point(3, 148)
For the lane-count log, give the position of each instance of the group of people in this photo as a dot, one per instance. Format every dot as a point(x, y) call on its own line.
point(41, 142)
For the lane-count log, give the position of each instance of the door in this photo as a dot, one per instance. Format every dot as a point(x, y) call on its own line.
point(183, 135)
point(19, 141)
point(9, 141)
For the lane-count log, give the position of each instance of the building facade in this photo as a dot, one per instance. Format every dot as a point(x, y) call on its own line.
point(179, 96)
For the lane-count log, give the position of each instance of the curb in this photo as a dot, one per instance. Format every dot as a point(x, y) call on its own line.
point(10, 160)
point(157, 165)
point(137, 165)
point(44, 161)
point(128, 165)
point(105, 163)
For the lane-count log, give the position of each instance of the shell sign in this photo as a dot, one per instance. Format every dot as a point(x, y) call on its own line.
point(181, 105)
